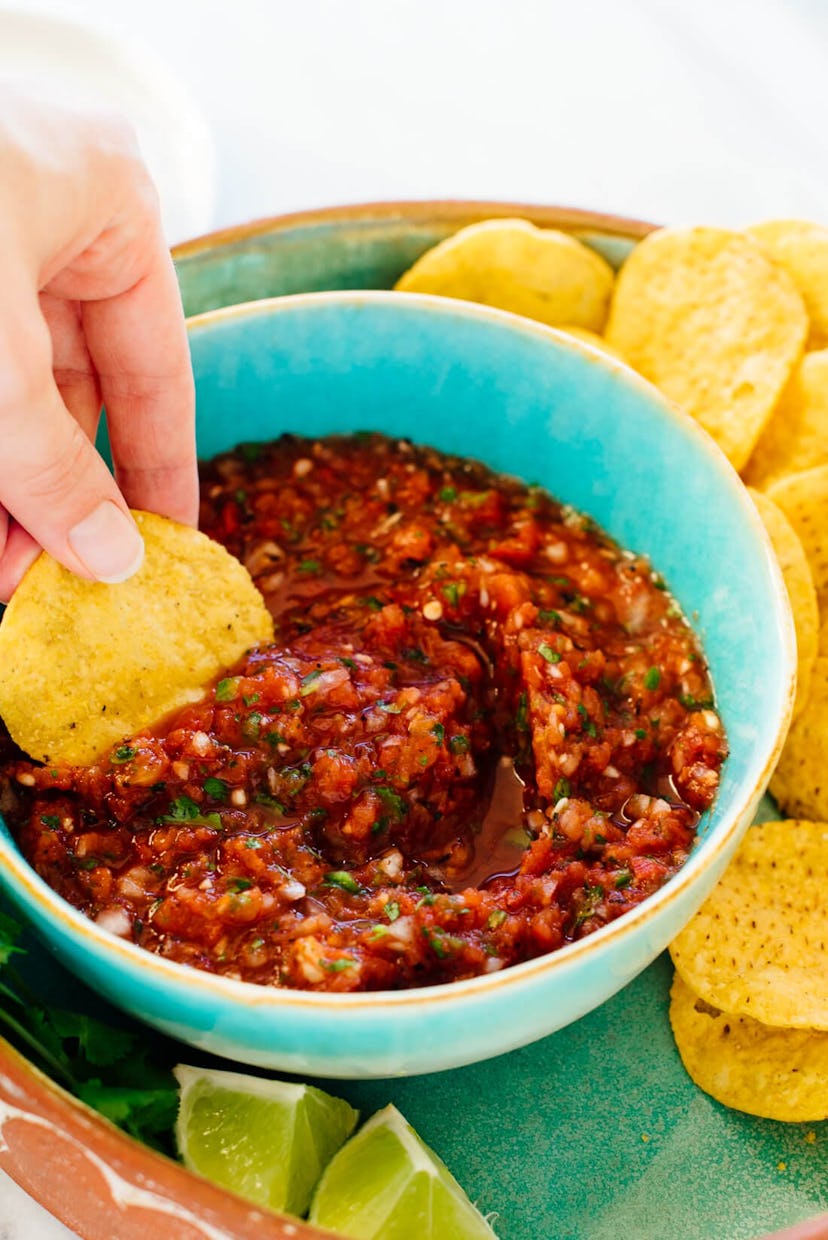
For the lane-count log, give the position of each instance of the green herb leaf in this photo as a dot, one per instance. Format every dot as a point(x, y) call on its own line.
point(337, 966)
point(308, 683)
point(546, 652)
point(100, 1044)
point(653, 678)
point(344, 880)
point(106, 1067)
point(215, 788)
point(592, 897)
point(238, 883)
point(252, 726)
point(123, 753)
point(10, 932)
point(392, 802)
point(522, 715)
point(443, 945)
point(563, 788)
point(183, 809)
point(147, 1114)
point(693, 703)
point(227, 689)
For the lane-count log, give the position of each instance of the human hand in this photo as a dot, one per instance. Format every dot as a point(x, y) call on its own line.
point(89, 312)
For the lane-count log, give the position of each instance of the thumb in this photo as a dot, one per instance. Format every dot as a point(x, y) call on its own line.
point(51, 478)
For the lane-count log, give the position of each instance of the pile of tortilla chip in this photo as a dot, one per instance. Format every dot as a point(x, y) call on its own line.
point(732, 327)
point(749, 1005)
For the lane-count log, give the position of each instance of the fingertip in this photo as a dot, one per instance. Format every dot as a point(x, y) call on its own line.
point(108, 543)
point(171, 492)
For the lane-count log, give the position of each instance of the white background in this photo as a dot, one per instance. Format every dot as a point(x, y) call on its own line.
point(674, 111)
point(671, 110)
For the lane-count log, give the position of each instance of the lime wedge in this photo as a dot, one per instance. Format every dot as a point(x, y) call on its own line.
point(386, 1184)
point(269, 1141)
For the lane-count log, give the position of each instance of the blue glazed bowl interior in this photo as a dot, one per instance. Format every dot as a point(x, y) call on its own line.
point(550, 410)
point(545, 410)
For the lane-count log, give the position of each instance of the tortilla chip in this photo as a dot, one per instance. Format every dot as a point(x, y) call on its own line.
point(803, 498)
point(537, 272)
point(707, 318)
point(796, 437)
point(801, 249)
point(85, 665)
point(799, 582)
point(588, 337)
point(800, 781)
point(757, 947)
point(774, 1073)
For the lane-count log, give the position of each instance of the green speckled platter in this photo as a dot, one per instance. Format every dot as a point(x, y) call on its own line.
point(595, 1133)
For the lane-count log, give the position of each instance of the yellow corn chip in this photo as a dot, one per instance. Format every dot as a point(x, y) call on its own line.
point(803, 498)
point(802, 249)
point(707, 318)
point(757, 947)
point(82, 665)
point(800, 586)
point(537, 272)
point(775, 1073)
point(796, 437)
point(800, 781)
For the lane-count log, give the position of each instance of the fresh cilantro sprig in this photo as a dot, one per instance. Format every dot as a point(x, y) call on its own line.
point(109, 1069)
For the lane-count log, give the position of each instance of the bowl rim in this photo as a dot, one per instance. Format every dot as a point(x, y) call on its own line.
point(458, 211)
point(57, 910)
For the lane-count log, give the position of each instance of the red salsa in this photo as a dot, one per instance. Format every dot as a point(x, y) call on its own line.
point(483, 731)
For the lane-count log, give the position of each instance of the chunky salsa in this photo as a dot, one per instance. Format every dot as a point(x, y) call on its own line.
point(483, 731)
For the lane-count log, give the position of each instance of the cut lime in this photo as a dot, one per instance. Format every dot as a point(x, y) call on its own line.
point(269, 1141)
point(386, 1184)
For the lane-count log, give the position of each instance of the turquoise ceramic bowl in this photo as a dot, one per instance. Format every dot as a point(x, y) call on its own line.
point(533, 403)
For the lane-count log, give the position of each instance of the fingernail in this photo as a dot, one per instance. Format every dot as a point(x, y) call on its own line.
point(108, 544)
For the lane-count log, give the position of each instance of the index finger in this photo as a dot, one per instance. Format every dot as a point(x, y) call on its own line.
point(137, 340)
